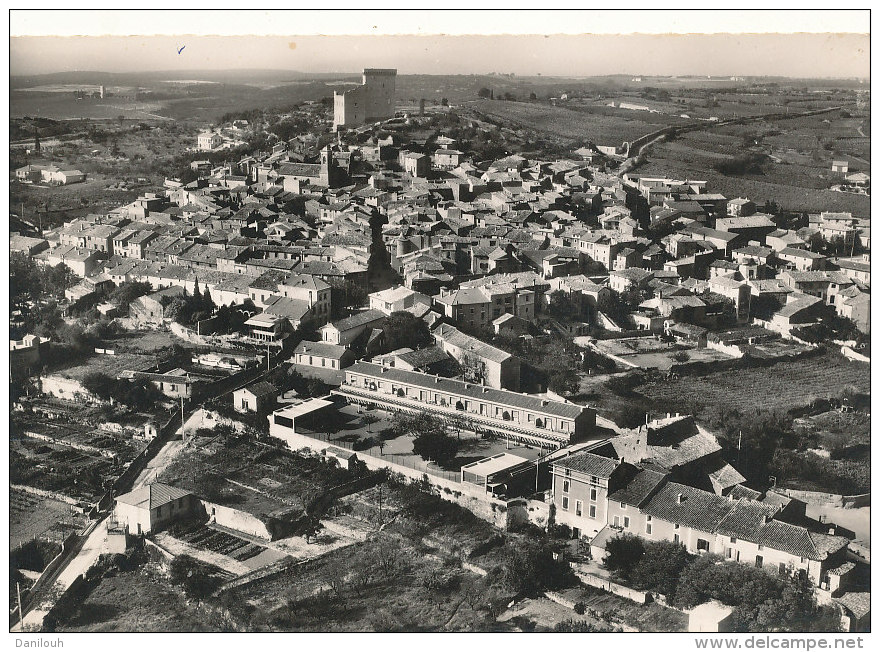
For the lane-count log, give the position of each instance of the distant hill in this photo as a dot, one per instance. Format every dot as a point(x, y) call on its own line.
point(96, 77)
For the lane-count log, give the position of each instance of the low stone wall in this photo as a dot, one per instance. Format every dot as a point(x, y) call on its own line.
point(853, 355)
point(44, 494)
point(237, 520)
point(470, 497)
point(640, 597)
point(558, 599)
point(818, 497)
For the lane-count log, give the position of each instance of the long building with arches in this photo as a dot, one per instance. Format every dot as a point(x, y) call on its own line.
point(520, 417)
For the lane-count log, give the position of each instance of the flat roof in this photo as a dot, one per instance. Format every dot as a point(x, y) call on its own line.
point(494, 464)
point(299, 409)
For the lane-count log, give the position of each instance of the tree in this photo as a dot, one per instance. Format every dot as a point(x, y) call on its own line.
point(311, 526)
point(100, 384)
point(530, 568)
point(660, 567)
point(25, 278)
point(436, 447)
point(403, 329)
point(60, 278)
point(196, 577)
point(624, 552)
point(128, 291)
point(564, 381)
point(484, 93)
point(563, 306)
point(681, 356)
point(444, 102)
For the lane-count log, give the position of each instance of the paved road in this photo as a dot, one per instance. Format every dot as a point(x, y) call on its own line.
point(94, 544)
point(86, 557)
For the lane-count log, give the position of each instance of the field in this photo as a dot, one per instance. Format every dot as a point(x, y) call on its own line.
point(33, 516)
point(783, 385)
point(799, 174)
point(265, 480)
point(64, 106)
point(112, 365)
point(587, 125)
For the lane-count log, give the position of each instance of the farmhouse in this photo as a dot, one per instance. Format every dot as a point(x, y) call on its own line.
point(255, 397)
point(149, 508)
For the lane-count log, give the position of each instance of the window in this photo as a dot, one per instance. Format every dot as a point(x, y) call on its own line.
point(648, 527)
point(803, 559)
point(592, 511)
point(759, 562)
point(733, 539)
point(159, 511)
point(782, 568)
point(676, 526)
point(702, 544)
point(676, 538)
point(626, 522)
point(623, 506)
point(760, 547)
point(565, 502)
point(594, 479)
point(565, 486)
point(616, 521)
point(593, 493)
point(578, 508)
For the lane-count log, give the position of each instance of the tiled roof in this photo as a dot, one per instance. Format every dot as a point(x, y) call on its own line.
point(468, 344)
point(856, 602)
point(500, 396)
point(640, 488)
point(424, 357)
point(358, 319)
point(741, 491)
point(321, 349)
point(746, 520)
point(588, 463)
point(261, 388)
point(152, 496)
point(698, 509)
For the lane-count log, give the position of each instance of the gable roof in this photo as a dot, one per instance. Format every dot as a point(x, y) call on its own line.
point(698, 509)
point(588, 463)
point(152, 496)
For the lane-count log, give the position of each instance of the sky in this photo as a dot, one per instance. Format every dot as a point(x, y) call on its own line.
point(289, 40)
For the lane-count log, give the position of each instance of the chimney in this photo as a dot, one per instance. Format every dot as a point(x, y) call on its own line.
point(680, 499)
point(832, 530)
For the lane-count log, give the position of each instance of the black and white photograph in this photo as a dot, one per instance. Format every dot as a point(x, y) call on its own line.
point(439, 321)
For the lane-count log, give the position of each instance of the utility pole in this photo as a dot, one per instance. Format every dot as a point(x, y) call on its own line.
point(182, 421)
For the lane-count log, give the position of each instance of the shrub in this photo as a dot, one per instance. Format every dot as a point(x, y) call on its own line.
point(197, 579)
point(580, 608)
